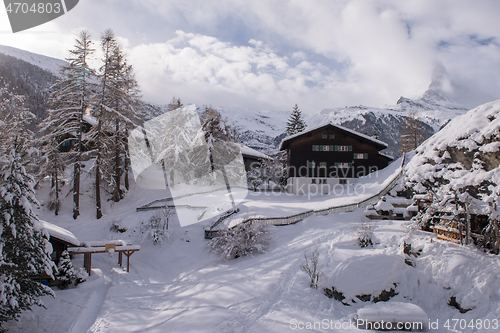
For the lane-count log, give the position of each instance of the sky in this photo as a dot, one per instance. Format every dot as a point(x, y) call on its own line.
point(271, 55)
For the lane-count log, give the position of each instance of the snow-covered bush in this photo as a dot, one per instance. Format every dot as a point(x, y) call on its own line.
point(65, 271)
point(156, 227)
point(115, 226)
point(243, 239)
point(365, 235)
point(311, 268)
point(81, 276)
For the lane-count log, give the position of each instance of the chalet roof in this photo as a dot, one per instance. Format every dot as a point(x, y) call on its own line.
point(60, 233)
point(386, 156)
point(247, 151)
point(381, 144)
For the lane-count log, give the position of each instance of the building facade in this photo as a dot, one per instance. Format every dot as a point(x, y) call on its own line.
point(330, 156)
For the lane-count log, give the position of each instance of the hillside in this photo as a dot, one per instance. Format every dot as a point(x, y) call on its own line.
point(462, 157)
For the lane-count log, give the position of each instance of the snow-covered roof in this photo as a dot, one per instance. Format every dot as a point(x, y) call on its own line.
point(252, 152)
point(90, 119)
point(384, 205)
point(60, 233)
point(412, 208)
point(342, 128)
point(421, 197)
point(386, 155)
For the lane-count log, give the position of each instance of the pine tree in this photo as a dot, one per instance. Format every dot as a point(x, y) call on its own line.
point(65, 271)
point(413, 134)
point(125, 110)
point(98, 135)
point(175, 104)
point(295, 123)
point(23, 245)
point(68, 104)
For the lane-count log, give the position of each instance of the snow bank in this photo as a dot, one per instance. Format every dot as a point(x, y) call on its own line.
point(368, 275)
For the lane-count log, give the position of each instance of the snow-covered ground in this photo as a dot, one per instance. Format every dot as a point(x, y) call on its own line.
point(180, 287)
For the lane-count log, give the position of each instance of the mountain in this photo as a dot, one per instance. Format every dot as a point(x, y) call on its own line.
point(27, 78)
point(49, 64)
point(263, 130)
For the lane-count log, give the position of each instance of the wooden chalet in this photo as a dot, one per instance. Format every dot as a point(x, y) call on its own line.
point(252, 158)
point(329, 155)
point(60, 239)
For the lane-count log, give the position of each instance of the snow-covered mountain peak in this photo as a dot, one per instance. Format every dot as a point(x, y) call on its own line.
point(48, 63)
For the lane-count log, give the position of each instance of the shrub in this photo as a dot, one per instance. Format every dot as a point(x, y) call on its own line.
point(365, 235)
point(156, 227)
point(241, 240)
point(115, 227)
point(311, 268)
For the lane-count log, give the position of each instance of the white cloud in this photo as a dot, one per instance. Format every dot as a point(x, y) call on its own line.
point(317, 53)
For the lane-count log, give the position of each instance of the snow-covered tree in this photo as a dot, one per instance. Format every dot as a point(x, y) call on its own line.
point(65, 272)
point(241, 240)
point(24, 247)
point(124, 108)
point(175, 104)
point(295, 124)
point(68, 104)
point(52, 165)
point(115, 111)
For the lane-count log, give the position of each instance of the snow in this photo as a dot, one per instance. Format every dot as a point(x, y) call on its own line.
point(180, 287)
point(384, 205)
point(52, 65)
point(393, 312)
point(252, 152)
point(60, 233)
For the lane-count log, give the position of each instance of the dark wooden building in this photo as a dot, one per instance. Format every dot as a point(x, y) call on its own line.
point(330, 155)
point(60, 239)
point(252, 158)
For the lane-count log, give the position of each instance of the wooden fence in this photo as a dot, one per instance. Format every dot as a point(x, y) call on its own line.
point(286, 220)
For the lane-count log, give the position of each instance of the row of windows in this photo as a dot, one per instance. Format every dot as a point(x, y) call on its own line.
point(323, 181)
point(328, 136)
point(357, 156)
point(312, 164)
point(331, 148)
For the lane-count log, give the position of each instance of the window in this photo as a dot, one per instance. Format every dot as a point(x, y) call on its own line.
point(343, 148)
point(324, 181)
point(322, 165)
point(324, 136)
point(342, 165)
point(332, 136)
point(325, 148)
point(313, 181)
point(343, 181)
point(311, 164)
point(360, 156)
point(315, 148)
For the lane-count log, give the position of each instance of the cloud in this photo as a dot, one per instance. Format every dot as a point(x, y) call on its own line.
point(316, 53)
point(203, 69)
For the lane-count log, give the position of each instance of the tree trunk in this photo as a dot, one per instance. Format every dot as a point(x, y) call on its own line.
point(76, 190)
point(126, 162)
point(117, 173)
point(56, 185)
